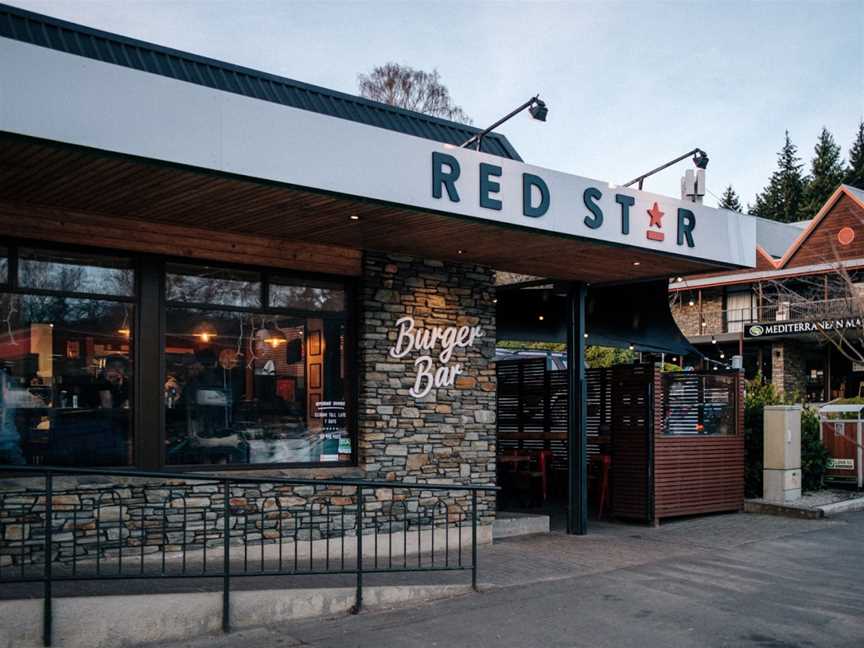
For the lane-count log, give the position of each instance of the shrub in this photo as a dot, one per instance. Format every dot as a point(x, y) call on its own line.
point(814, 456)
point(757, 395)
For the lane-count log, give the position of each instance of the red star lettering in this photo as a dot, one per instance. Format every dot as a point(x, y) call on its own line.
point(656, 220)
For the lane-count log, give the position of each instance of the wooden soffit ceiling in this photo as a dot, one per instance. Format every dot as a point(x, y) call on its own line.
point(36, 175)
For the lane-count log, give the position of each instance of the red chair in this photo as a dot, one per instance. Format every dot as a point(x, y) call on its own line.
point(605, 461)
point(539, 470)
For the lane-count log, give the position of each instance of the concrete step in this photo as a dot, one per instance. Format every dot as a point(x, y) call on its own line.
point(509, 525)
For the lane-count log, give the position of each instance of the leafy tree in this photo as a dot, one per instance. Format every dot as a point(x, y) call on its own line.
point(855, 171)
point(827, 171)
point(730, 200)
point(417, 90)
point(782, 199)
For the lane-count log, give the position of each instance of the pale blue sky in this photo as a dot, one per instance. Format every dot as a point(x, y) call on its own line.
point(629, 85)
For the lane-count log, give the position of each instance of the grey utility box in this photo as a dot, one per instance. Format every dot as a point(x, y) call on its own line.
point(781, 475)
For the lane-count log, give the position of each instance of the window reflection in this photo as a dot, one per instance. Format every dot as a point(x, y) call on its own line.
point(206, 285)
point(65, 381)
point(307, 296)
point(254, 389)
point(75, 273)
point(4, 266)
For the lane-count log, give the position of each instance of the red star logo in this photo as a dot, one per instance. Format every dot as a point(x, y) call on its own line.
point(656, 221)
point(656, 217)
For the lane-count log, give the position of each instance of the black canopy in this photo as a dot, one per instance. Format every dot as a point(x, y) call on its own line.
point(618, 316)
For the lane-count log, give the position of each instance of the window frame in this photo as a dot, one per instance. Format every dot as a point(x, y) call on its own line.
point(349, 316)
point(150, 310)
point(12, 286)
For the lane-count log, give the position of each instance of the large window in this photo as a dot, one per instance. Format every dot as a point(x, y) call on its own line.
point(66, 362)
point(247, 383)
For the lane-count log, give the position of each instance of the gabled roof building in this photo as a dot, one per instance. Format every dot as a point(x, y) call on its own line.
point(796, 317)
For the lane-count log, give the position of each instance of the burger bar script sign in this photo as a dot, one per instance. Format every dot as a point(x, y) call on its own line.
point(436, 343)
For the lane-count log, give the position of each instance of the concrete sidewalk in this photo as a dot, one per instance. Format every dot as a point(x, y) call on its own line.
point(729, 580)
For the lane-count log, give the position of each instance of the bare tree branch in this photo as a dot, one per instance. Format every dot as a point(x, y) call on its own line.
point(417, 90)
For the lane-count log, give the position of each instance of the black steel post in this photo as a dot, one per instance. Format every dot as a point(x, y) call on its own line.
point(358, 600)
point(474, 540)
point(577, 433)
point(226, 557)
point(47, 614)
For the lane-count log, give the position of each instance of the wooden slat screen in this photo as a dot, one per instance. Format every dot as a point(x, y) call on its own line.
point(631, 438)
point(699, 473)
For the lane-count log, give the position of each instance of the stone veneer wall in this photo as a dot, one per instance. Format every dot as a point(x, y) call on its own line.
point(446, 437)
point(449, 435)
point(687, 317)
point(787, 368)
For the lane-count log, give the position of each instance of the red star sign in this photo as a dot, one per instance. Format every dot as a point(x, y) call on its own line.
point(656, 217)
point(656, 221)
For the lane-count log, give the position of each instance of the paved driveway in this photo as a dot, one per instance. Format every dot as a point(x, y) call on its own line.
point(732, 580)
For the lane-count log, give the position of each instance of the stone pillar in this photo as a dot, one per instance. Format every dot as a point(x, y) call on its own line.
point(781, 474)
point(447, 435)
point(787, 369)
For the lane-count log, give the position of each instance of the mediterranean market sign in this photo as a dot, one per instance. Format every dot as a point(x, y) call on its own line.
point(768, 329)
point(98, 105)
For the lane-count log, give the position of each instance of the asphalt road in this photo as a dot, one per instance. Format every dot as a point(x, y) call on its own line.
point(800, 587)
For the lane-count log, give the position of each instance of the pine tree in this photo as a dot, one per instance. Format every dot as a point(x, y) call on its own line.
point(855, 172)
point(827, 171)
point(781, 200)
point(730, 200)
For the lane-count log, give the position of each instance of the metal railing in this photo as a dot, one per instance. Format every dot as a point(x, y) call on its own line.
point(137, 525)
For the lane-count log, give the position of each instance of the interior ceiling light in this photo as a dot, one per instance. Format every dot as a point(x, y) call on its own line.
point(354, 217)
point(637, 263)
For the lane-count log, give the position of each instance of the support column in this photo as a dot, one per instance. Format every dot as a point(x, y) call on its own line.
point(577, 424)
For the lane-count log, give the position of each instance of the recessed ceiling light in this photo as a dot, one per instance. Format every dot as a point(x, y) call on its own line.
point(354, 217)
point(540, 317)
point(460, 251)
point(636, 263)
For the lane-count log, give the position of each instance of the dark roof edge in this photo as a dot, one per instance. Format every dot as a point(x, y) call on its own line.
point(98, 33)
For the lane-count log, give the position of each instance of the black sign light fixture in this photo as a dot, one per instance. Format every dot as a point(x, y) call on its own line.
point(700, 161)
point(535, 105)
